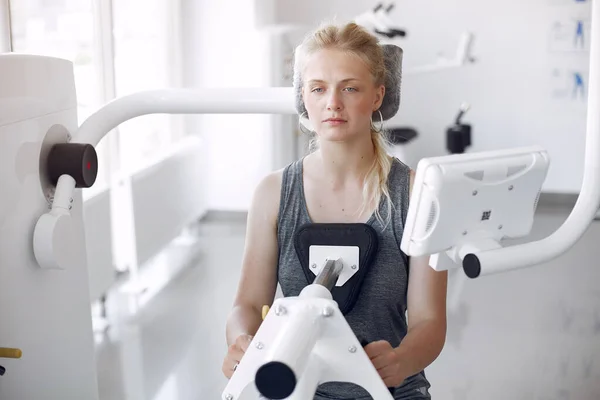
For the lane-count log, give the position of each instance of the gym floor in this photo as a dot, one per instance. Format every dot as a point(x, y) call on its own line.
point(530, 334)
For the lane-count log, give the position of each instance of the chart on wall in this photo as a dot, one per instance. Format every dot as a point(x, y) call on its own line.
point(569, 35)
point(570, 84)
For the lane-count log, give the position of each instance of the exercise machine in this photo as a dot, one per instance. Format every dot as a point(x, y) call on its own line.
point(377, 21)
point(46, 342)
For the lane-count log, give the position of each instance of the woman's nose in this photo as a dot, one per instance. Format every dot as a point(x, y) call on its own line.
point(334, 103)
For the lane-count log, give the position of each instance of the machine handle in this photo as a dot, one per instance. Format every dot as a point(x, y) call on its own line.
point(6, 352)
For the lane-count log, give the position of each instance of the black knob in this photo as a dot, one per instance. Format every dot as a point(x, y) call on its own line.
point(2, 370)
point(79, 160)
point(471, 266)
point(275, 380)
point(458, 138)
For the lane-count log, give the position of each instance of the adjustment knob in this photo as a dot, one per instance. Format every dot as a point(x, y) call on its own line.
point(78, 160)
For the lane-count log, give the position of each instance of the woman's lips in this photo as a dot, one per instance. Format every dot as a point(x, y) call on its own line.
point(335, 121)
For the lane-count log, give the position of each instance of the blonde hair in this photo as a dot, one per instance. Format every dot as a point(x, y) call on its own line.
point(356, 40)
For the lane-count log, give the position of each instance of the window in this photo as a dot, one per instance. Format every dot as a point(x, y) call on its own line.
point(64, 29)
point(144, 37)
point(137, 39)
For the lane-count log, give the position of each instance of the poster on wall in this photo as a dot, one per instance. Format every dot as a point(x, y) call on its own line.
point(569, 40)
point(570, 35)
point(569, 84)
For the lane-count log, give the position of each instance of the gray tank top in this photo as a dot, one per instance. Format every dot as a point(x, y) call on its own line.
point(380, 311)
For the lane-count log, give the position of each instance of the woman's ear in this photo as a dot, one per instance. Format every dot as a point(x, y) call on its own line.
point(380, 94)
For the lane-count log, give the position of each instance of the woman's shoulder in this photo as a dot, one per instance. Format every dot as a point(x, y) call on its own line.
point(270, 184)
point(270, 187)
point(265, 200)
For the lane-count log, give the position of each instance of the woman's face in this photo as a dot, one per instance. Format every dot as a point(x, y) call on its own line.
point(340, 95)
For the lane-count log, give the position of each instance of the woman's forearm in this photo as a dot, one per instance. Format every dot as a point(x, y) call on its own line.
point(421, 346)
point(243, 320)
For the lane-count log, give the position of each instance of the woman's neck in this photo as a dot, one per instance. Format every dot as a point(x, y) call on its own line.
point(344, 162)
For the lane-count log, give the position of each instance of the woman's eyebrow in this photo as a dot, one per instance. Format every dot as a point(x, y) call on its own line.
point(342, 81)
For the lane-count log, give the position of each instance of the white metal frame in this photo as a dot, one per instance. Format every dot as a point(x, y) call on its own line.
point(309, 334)
point(588, 201)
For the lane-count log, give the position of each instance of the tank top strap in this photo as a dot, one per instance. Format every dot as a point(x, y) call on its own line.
point(399, 189)
point(292, 211)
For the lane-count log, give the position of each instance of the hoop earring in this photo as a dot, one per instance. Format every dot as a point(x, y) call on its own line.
point(301, 126)
point(373, 127)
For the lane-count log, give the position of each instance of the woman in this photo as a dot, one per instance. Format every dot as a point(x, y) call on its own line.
point(347, 178)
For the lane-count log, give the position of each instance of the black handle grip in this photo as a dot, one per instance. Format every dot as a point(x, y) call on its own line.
point(402, 135)
point(399, 32)
point(79, 160)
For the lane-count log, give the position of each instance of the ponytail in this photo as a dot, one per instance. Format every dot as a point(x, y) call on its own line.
point(375, 183)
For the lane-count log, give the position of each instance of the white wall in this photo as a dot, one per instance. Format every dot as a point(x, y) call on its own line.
point(519, 88)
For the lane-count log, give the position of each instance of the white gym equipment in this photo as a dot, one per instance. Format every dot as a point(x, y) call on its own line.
point(378, 22)
point(46, 344)
point(493, 196)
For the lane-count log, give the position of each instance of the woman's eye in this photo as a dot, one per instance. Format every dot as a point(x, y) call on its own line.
point(351, 89)
point(317, 89)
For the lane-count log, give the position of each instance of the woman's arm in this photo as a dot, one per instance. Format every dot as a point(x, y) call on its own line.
point(426, 318)
point(426, 305)
point(258, 280)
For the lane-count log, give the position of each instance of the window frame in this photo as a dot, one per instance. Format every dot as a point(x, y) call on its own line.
point(110, 153)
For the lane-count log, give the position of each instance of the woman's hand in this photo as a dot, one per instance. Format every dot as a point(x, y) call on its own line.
point(387, 362)
point(235, 353)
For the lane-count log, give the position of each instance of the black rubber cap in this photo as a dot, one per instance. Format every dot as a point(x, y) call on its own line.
point(471, 266)
point(2, 370)
point(458, 138)
point(79, 160)
point(275, 380)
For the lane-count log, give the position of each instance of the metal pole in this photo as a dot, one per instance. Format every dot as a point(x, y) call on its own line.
point(330, 274)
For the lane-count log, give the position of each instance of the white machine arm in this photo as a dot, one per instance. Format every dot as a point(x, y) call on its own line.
point(51, 235)
point(304, 341)
point(588, 202)
point(274, 100)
